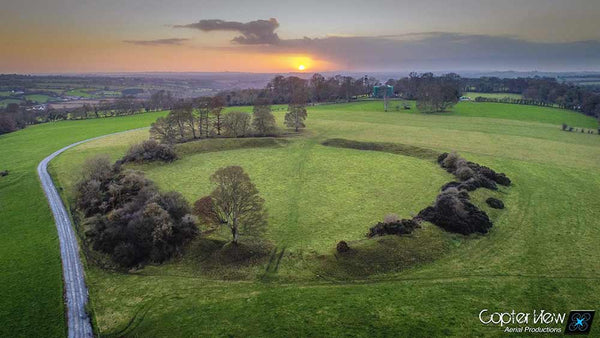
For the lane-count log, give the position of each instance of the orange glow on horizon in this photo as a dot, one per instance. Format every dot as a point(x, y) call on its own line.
point(35, 54)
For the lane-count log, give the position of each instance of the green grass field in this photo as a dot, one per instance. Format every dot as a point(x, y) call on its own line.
point(316, 196)
point(38, 98)
point(77, 92)
point(473, 95)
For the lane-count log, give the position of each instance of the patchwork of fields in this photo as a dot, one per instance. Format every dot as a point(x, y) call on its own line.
point(316, 196)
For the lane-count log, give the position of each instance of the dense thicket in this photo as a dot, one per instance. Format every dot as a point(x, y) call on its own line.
point(148, 151)
point(454, 212)
point(126, 217)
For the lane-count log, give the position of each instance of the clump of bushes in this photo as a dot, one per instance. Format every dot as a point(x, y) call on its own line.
point(342, 247)
point(454, 212)
point(495, 203)
point(149, 150)
point(471, 175)
point(397, 227)
point(566, 127)
point(126, 217)
point(464, 173)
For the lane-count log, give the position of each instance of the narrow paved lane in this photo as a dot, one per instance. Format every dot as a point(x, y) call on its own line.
point(76, 293)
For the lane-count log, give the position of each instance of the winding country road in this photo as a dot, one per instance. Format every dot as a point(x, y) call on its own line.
point(76, 292)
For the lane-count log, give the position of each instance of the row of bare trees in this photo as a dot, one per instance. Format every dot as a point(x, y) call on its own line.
point(205, 118)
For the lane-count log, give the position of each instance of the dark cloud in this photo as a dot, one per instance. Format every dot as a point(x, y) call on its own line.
point(157, 42)
point(443, 51)
point(259, 32)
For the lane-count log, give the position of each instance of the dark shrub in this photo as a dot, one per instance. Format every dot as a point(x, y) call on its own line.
point(464, 173)
point(128, 219)
point(441, 158)
point(402, 227)
point(485, 182)
point(455, 213)
point(470, 184)
point(342, 247)
point(148, 151)
point(495, 203)
point(452, 184)
point(7, 124)
point(449, 162)
point(472, 174)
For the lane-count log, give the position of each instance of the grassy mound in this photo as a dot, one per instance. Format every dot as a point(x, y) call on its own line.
point(393, 148)
point(214, 145)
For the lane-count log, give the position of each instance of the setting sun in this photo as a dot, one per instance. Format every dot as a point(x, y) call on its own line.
point(301, 67)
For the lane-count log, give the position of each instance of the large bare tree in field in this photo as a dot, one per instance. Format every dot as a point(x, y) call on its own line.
point(237, 202)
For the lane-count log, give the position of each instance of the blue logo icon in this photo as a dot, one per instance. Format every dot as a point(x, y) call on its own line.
point(580, 322)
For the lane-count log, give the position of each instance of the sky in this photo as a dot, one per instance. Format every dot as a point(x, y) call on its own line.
point(100, 36)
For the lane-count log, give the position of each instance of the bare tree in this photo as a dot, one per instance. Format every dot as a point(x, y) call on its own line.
point(203, 106)
point(236, 124)
point(237, 202)
point(181, 117)
point(216, 108)
point(164, 130)
point(295, 116)
point(263, 120)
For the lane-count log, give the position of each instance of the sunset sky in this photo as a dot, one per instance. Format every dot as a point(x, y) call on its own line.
point(76, 36)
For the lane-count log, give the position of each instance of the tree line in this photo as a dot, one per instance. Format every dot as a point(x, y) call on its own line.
point(317, 89)
point(14, 116)
point(543, 91)
point(204, 117)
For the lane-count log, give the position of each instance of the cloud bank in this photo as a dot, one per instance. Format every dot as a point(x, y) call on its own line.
point(417, 51)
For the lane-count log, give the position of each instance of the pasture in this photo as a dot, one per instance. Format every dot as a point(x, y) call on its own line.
point(31, 277)
point(317, 195)
point(436, 283)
